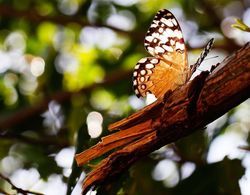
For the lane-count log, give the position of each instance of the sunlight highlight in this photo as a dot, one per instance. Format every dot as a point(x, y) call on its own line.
point(166, 171)
point(94, 123)
point(37, 66)
point(150, 98)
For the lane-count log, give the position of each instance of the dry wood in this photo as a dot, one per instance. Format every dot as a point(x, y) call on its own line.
point(178, 114)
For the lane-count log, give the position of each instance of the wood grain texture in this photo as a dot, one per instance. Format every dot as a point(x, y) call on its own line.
point(177, 115)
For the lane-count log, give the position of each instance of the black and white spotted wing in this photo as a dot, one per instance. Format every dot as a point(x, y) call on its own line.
point(164, 38)
point(164, 41)
point(141, 75)
point(167, 69)
point(202, 55)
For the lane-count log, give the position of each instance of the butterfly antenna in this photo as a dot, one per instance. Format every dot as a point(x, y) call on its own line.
point(202, 56)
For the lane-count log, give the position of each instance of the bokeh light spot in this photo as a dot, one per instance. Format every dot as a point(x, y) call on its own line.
point(37, 66)
point(94, 123)
point(166, 171)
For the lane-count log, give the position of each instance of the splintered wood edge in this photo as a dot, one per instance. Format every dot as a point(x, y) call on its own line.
point(113, 141)
point(99, 149)
point(129, 132)
point(103, 170)
point(134, 118)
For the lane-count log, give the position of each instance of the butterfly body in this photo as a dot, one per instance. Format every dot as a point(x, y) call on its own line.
point(168, 68)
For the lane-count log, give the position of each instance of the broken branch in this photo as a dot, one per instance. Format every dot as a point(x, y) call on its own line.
point(173, 117)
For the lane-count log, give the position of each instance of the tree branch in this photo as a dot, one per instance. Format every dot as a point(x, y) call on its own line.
point(19, 190)
point(32, 16)
point(171, 118)
point(26, 114)
point(42, 141)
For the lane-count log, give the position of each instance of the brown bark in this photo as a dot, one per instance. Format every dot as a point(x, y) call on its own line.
point(178, 114)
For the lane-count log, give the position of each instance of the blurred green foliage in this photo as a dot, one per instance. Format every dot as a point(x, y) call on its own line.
point(60, 60)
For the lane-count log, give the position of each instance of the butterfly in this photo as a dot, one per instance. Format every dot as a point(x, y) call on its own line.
point(168, 67)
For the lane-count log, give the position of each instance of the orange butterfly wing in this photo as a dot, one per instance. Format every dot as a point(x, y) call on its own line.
point(168, 69)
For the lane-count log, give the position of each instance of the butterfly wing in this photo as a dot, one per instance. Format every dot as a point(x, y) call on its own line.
point(153, 75)
point(164, 39)
point(168, 68)
point(202, 56)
